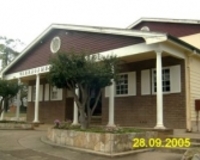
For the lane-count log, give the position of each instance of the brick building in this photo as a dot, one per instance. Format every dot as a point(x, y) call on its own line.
point(161, 75)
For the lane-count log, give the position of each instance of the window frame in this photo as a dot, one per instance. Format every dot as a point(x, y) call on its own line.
point(59, 92)
point(52, 91)
point(153, 81)
point(126, 94)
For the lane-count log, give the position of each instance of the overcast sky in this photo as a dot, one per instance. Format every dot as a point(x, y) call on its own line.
point(26, 19)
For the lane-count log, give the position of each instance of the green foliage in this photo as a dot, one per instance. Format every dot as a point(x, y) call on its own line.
point(70, 70)
point(89, 73)
point(8, 89)
point(8, 50)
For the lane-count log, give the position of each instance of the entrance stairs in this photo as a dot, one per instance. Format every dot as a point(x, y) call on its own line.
point(194, 140)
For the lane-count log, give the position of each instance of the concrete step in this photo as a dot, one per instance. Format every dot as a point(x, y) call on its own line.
point(172, 150)
point(193, 138)
point(194, 144)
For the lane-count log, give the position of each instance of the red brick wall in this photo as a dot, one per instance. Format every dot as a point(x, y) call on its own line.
point(140, 110)
point(51, 110)
point(48, 111)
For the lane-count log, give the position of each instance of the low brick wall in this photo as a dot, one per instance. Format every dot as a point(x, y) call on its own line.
point(16, 125)
point(99, 142)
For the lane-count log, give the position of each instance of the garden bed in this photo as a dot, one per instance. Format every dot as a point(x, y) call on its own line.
point(103, 142)
point(15, 125)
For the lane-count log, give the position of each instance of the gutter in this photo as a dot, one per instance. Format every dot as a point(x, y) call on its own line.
point(184, 44)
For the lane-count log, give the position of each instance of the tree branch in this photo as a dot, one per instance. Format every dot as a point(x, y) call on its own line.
point(96, 101)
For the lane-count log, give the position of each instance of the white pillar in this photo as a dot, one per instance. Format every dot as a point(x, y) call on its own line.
point(75, 117)
point(111, 122)
point(2, 113)
point(36, 115)
point(188, 91)
point(159, 94)
point(18, 102)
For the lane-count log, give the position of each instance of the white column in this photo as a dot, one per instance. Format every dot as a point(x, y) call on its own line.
point(111, 122)
point(2, 113)
point(75, 117)
point(18, 102)
point(159, 94)
point(188, 91)
point(36, 115)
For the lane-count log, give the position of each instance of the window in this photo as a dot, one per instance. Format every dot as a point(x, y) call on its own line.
point(55, 44)
point(165, 80)
point(122, 85)
point(54, 94)
point(125, 86)
point(40, 93)
point(171, 79)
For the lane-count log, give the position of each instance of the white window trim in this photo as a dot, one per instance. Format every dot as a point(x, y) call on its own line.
point(29, 98)
point(51, 92)
point(146, 82)
point(59, 92)
point(121, 95)
point(107, 91)
point(152, 81)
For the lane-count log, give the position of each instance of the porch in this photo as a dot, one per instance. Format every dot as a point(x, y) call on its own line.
point(151, 102)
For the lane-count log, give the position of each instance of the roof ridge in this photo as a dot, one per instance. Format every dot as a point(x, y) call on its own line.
point(167, 20)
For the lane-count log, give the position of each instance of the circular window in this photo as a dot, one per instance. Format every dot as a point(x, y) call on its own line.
point(145, 28)
point(55, 44)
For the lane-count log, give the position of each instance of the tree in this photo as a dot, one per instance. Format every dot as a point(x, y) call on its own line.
point(8, 50)
point(8, 53)
point(86, 72)
point(8, 90)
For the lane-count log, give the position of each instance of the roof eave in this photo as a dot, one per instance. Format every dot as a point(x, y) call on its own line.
point(164, 20)
point(102, 30)
point(187, 46)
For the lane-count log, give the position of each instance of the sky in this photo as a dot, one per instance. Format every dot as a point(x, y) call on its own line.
point(26, 19)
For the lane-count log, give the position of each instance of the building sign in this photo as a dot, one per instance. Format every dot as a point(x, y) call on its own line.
point(34, 71)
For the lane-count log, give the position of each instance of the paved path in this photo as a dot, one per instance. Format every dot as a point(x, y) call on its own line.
point(27, 145)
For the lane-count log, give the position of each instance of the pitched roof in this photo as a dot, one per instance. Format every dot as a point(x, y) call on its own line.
point(164, 20)
point(149, 37)
point(175, 27)
point(76, 40)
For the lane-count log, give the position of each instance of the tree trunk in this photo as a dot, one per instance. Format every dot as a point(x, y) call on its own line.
point(82, 118)
point(1, 106)
point(88, 113)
